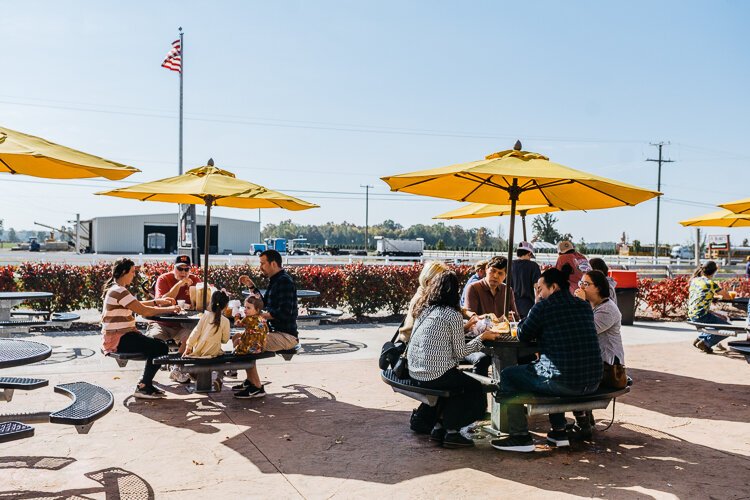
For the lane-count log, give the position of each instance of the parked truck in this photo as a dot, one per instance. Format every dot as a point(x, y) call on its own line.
point(297, 246)
point(401, 248)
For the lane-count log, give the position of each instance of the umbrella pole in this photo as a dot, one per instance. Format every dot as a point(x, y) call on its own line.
point(523, 224)
point(206, 242)
point(514, 191)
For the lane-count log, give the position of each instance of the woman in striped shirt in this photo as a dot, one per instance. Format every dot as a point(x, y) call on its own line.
point(119, 333)
point(437, 345)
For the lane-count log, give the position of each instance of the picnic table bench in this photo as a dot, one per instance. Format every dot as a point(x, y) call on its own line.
point(201, 368)
point(742, 347)
point(719, 329)
point(90, 403)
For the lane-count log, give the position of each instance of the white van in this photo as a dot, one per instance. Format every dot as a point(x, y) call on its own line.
point(681, 252)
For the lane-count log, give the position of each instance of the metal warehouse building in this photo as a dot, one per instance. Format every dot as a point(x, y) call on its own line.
point(157, 233)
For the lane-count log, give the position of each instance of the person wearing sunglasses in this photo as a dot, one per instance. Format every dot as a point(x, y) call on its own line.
point(175, 285)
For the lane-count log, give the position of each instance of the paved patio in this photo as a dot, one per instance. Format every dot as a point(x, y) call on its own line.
point(330, 428)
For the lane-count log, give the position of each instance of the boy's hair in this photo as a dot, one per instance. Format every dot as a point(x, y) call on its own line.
point(256, 302)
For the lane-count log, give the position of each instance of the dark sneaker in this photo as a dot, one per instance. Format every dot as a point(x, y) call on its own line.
point(456, 440)
point(250, 392)
point(437, 435)
point(244, 385)
point(558, 438)
point(703, 346)
point(157, 391)
point(577, 432)
point(523, 443)
point(147, 392)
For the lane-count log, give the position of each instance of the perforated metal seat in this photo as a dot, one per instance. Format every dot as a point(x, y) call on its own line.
point(10, 431)
point(90, 402)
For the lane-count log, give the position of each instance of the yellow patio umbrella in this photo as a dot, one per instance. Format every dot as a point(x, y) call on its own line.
point(482, 210)
point(738, 207)
point(721, 218)
point(520, 177)
point(29, 155)
point(209, 186)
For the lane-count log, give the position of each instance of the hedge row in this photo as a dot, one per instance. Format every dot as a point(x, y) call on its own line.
point(359, 288)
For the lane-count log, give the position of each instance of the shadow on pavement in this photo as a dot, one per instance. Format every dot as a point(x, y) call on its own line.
point(306, 430)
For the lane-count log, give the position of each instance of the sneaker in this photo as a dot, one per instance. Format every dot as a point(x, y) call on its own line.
point(703, 346)
point(578, 432)
point(250, 392)
point(244, 385)
point(514, 443)
point(179, 376)
point(558, 438)
point(147, 392)
point(456, 440)
point(438, 435)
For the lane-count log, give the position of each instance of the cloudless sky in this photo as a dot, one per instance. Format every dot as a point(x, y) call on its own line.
point(315, 98)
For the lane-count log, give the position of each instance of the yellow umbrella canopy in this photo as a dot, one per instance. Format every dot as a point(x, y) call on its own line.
point(721, 218)
point(517, 177)
point(209, 186)
point(532, 177)
point(29, 155)
point(738, 207)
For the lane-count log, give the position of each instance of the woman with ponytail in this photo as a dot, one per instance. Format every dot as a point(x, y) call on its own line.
point(118, 324)
point(702, 290)
point(569, 363)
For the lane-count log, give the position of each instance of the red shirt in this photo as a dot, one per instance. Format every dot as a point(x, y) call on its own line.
point(578, 262)
point(166, 281)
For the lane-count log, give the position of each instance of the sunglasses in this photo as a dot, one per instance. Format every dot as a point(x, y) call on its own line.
point(584, 284)
point(183, 268)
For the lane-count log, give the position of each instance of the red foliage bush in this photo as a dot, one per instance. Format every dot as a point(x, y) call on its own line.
point(7, 279)
point(68, 284)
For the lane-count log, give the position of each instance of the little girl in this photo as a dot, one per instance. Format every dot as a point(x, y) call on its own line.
point(210, 333)
point(251, 341)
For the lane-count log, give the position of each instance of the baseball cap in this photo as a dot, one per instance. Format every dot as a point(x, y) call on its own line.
point(182, 259)
point(525, 245)
point(565, 246)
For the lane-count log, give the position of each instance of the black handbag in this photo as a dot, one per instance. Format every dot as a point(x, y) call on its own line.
point(401, 370)
point(391, 352)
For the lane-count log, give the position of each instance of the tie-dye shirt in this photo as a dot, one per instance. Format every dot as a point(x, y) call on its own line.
point(701, 294)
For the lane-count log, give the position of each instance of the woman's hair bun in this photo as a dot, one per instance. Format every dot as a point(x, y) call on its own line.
point(567, 270)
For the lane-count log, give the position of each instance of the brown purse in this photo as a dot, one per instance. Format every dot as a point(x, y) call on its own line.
point(614, 375)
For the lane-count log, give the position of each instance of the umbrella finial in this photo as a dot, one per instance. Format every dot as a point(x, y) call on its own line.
point(517, 146)
point(210, 162)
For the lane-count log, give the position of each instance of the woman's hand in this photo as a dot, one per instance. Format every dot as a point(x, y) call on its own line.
point(470, 324)
point(580, 293)
point(174, 309)
point(165, 301)
point(245, 280)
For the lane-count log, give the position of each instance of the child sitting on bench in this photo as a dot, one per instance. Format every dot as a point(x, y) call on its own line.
point(210, 333)
point(251, 341)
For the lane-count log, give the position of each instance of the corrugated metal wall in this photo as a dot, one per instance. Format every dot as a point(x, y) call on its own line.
point(124, 234)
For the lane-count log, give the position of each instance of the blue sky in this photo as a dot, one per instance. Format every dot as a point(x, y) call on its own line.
point(318, 98)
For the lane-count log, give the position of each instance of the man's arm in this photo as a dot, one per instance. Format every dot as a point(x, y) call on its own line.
point(531, 327)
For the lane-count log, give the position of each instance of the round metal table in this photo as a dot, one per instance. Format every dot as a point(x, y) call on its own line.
point(10, 299)
point(14, 352)
point(301, 294)
point(191, 319)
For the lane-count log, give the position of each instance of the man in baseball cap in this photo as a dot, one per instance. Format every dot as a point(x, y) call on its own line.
point(175, 285)
point(577, 261)
point(524, 274)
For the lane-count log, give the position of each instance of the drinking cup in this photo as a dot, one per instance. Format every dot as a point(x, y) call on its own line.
point(181, 303)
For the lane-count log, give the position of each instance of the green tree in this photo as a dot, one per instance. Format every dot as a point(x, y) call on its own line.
point(12, 236)
point(440, 245)
point(744, 242)
point(543, 227)
point(482, 238)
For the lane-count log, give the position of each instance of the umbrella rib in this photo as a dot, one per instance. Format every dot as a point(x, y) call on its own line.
point(604, 193)
point(482, 181)
point(10, 169)
point(479, 185)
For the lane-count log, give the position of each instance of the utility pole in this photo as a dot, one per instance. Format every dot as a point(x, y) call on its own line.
point(367, 214)
point(658, 198)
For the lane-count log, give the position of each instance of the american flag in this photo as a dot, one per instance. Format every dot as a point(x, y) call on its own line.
point(173, 61)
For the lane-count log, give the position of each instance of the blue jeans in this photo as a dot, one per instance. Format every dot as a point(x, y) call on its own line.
point(522, 379)
point(709, 339)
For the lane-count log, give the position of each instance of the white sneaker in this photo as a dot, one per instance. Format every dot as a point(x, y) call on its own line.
point(179, 376)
